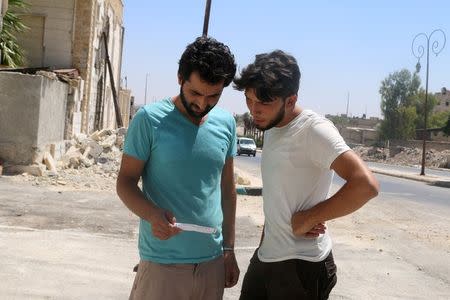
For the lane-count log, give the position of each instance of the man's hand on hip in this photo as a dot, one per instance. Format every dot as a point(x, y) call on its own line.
point(303, 225)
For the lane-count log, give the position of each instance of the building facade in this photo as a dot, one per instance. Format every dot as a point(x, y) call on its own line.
point(72, 34)
point(443, 101)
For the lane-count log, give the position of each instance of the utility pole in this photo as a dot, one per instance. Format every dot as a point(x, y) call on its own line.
point(206, 19)
point(348, 102)
point(146, 83)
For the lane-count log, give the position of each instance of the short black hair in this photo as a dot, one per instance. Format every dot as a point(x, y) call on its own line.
point(213, 61)
point(273, 74)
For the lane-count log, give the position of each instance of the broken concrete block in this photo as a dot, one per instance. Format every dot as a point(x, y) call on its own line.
point(49, 162)
point(121, 131)
point(86, 162)
point(94, 149)
point(95, 136)
point(109, 142)
point(119, 141)
point(73, 152)
point(74, 162)
point(86, 151)
point(79, 138)
point(105, 132)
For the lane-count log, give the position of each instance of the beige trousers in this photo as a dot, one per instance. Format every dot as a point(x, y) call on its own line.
point(179, 281)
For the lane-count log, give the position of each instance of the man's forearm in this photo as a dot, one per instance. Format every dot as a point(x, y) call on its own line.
point(134, 199)
point(352, 196)
point(229, 217)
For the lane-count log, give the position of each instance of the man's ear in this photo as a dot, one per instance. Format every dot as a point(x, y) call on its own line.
point(291, 101)
point(180, 80)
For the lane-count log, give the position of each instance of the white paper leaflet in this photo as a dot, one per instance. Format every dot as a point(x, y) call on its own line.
point(197, 228)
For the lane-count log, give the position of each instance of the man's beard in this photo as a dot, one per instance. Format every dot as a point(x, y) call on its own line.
point(278, 118)
point(188, 108)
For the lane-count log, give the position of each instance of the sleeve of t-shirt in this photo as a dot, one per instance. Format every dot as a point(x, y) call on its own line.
point(325, 143)
point(138, 140)
point(232, 149)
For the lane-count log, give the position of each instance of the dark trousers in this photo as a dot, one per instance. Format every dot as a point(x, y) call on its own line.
point(289, 279)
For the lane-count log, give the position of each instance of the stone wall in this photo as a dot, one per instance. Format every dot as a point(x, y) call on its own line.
point(91, 20)
point(83, 50)
point(125, 106)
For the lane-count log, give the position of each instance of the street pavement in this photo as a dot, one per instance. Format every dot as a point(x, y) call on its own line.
point(435, 176)
point(73, 244)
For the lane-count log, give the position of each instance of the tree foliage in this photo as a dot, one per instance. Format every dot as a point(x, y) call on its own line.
point(398, 93)
point(250, 130)
point(439, 119)
point(11, 53)
point(418, 100)
point(446, 128)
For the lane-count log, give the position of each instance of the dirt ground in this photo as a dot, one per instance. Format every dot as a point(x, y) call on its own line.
point(392, 248)
point(74, 239)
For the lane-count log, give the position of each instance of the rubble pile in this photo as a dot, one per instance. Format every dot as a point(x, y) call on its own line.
point(90, 162)
point(405, 156)
point(102, 149)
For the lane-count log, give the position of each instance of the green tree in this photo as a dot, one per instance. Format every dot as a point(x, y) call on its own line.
point(418, 101)
point(446, 129)
point(439, 119)
point(11, 52)
point(397, 105)
point(248, 123)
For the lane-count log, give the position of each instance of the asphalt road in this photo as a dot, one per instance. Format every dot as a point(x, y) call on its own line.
point(401, 188)
point(73, 244)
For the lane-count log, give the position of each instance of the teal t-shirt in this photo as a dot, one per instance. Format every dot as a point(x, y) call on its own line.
point(182, 174)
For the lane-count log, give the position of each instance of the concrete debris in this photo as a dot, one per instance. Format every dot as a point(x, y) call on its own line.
point(49, 75)
point(49, 162)
point(240, 180)
point(34, 170)
point(404, 156)
point(109, 142)
point(121, 131)
point(90, 162)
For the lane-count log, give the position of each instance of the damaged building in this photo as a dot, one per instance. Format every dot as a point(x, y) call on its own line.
point(70, 83)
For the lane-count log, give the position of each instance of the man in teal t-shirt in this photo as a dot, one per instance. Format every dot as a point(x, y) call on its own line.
point(183, 148)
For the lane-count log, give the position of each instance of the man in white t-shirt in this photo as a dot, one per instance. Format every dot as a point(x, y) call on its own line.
point(302, 150)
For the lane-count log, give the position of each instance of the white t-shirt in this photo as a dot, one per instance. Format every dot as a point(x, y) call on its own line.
point(296, 175)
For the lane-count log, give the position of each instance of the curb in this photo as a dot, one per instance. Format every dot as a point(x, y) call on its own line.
point(257, 191)
point(442, 183)
point(430, 180)
point(249, 191)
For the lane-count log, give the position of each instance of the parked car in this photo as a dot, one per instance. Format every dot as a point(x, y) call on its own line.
point(246, 146)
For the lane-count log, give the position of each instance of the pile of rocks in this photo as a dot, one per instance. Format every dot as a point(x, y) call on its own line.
point(404, 156)
point(102, 148)
point(89, 162)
